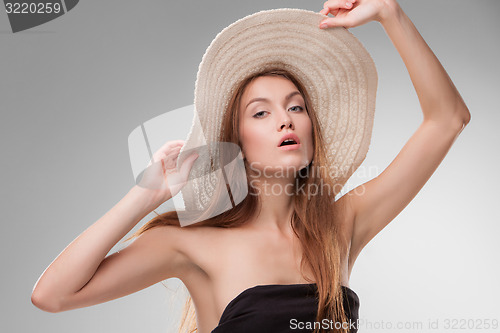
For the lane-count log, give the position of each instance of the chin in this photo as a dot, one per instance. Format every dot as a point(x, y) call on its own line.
point(295, 162)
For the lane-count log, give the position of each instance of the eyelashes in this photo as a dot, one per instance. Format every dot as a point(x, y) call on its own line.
point(261, 114)
point(298, 106)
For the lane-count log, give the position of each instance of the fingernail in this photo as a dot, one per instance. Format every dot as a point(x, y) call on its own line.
point(323, 25)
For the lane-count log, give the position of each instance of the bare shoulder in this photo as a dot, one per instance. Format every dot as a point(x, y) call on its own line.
point(167, 241)
point(203, 244)
point(199, 246)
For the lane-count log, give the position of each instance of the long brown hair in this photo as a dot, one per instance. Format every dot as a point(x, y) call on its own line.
point(318, 230)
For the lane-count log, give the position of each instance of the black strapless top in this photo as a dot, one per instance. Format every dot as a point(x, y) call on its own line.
point(277, 308)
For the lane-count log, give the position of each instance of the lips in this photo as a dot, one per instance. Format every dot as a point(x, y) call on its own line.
point(288, 140)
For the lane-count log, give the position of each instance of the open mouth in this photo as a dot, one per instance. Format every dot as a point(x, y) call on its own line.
point(288, 142)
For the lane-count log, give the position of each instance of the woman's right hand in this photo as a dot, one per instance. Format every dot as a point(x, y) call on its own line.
point(161, 175)
point(353, 13)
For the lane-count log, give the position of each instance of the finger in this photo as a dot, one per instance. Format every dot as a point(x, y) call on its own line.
point(163, 167)
point(172, 144)
point(172, 152)
point(177, 142)
point(167, 154)
point(170, 163)
point(166, 148)
point(327, 10)
point(335, 22)
point(331, 5)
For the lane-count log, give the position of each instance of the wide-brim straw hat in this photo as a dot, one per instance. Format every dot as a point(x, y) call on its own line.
point(332, 64)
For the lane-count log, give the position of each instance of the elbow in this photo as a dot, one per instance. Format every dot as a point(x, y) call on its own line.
point(464, 115)
point(452, 118)
point(460, 119)
point(44, 303)
point(461, 113)
point(465, 118)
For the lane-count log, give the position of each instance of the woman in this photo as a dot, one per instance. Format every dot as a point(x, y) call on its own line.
point(284, 246)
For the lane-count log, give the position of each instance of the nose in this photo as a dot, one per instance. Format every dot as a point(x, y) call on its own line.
point(286, 122)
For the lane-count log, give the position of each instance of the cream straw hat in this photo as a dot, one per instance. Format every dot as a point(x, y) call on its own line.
point(335, 68)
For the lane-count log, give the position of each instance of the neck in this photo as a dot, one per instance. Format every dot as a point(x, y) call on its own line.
point(276, 204)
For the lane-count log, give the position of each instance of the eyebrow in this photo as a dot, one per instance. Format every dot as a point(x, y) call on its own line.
point(259, 99)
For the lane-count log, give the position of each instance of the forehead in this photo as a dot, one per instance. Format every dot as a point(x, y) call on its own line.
point(268, 86)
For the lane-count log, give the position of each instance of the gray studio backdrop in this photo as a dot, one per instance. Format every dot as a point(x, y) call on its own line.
point(73, 89)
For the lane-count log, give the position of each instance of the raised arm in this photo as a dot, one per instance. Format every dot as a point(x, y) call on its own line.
point(377, 202)
point(82, 276)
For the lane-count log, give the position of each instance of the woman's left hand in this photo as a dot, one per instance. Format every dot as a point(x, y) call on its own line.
point(352, 13)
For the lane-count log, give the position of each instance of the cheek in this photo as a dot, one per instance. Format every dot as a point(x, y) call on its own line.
point(253, 140)
point(246, 135)
point(308, 133)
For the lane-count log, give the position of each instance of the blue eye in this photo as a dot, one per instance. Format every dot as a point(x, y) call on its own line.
point(259, 114)
point(297, 106)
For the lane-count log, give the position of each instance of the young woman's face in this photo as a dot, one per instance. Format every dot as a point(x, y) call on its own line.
point(271, 110)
